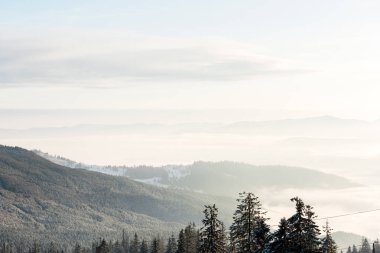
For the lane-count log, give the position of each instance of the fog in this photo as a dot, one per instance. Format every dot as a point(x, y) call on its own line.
point(348, 148)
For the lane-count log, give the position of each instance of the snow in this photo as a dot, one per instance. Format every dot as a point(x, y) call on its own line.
point(153, 181)
point(177, 172)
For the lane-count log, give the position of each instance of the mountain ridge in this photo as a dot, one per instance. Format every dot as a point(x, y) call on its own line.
point(239, 176)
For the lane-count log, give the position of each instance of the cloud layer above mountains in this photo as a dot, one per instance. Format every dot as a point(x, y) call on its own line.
point(111, 59)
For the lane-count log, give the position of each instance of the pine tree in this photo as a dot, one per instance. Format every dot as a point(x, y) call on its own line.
point(191, 239)
point(303, 236)
point(354, 249)
point(261, 232)
point(366, 247)
point(181, 242)
point(144, 247)
point(312, 232)
point(244, 230)
point(117, 247)
point(279, 240)
point(36, 247)
point(349, 250)
point(212, 235)
point(328, 244)
point(171, 247)
point(135, 245)
point(377, 246)
point(125, 242)
point(103, 247)
point(157, 245)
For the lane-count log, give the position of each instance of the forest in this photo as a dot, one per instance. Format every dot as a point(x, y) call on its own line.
point(249, 232)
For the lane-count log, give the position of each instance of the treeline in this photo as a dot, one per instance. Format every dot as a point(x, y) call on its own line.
point(249, 233)
point(365, 247)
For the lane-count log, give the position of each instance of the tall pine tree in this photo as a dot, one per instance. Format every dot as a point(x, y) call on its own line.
point(171, 247)
point(144, 247)
point(304, 233)
point(328, 244)
point(181, 242)
point(212, 234)
point(135, 244)
point(248, 230)
point(366, 247)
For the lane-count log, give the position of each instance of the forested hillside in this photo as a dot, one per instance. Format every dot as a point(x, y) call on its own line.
point(41, 199)
point(238, 176)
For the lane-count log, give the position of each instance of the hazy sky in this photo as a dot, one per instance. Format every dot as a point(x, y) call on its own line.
point(319, 57)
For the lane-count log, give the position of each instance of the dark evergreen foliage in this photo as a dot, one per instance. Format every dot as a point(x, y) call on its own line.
point(212, 234)
point(328, 244)
point(354, 249)
point(366, 247)
point(144, 247)
point(279, 240)
point(171, 247)
point(304, 233)
point(248, 231)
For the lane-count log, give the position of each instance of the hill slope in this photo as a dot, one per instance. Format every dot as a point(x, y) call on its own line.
point(43, 199)
point(344, 239)
point(238, 176)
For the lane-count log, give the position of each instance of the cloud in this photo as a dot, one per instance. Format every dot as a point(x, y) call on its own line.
point(110, 59)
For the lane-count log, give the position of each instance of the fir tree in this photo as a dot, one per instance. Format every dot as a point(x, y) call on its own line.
point(212, 235)
point(144, 247)
point(243, 230)
point(349, 250)
point(135, 244)
point(156, 246)
point(190, 239)
point(279, 240)
point(103, 247)
point(366, 247)
point(125, 242)
point(328, 244)
point(312, 232)
point(36, 247)
point(181, 242)
point(354, 249)
point(171, 247)
point(303, 236)
point(261, 232)
point(376, 246)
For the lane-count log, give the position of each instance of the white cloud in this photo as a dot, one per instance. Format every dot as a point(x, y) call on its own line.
point(107, 59)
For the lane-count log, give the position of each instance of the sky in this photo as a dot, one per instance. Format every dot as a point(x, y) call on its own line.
point(186, 67)
point(318, 57)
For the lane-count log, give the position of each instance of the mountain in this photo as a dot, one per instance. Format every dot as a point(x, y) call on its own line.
point(42, 200)
point(323, 126)
point(344, 239)
point(313, 126)
point(238, 176)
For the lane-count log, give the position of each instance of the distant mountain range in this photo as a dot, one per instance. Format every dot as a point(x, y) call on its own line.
point(293, 127)
point(212, 177)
